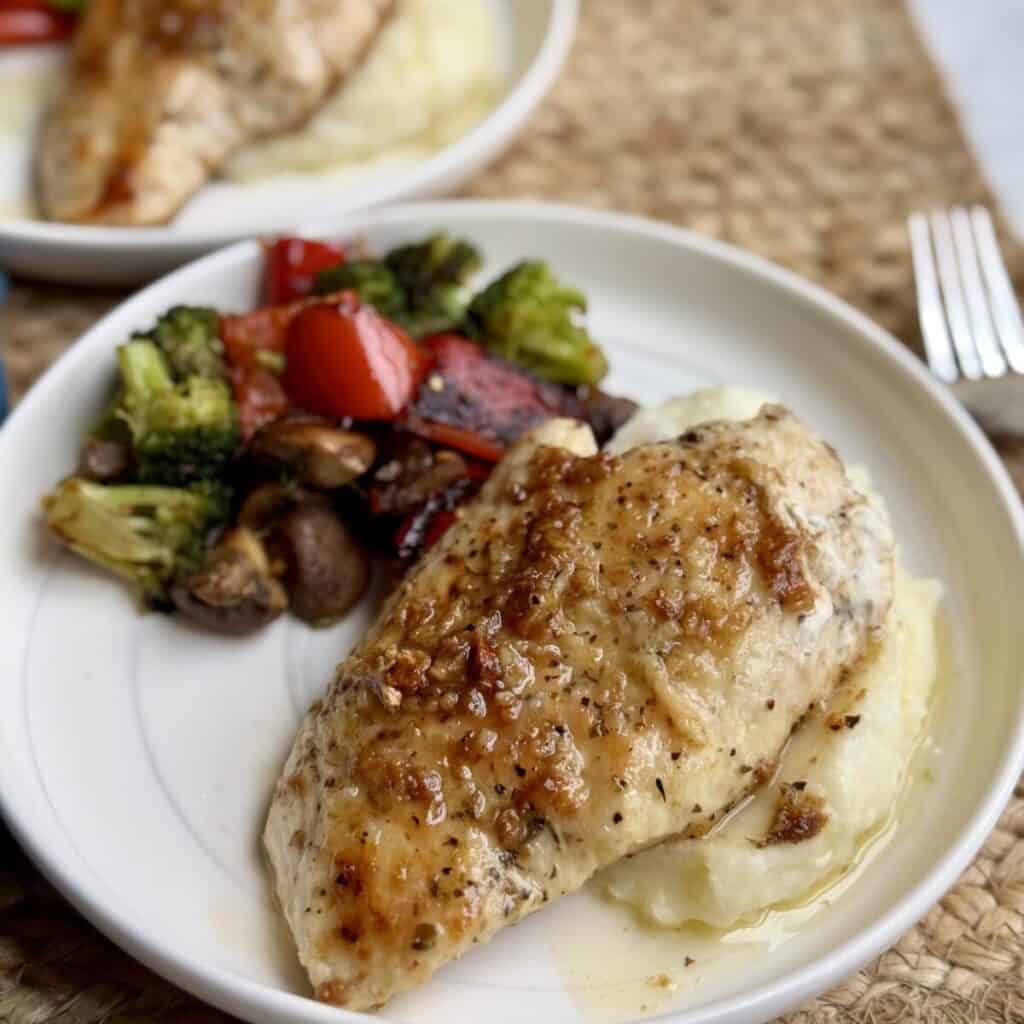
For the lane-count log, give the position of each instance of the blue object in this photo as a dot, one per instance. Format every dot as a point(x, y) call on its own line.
point(3, 378)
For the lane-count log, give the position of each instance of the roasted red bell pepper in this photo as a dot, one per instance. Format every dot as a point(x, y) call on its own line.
point(291, 266)
point(477, 403)
point(424, 527)
point(460, 438)
point(25, 22)
point(251, 342)
point(245, 335)
point(260, 398)
point(437, 527)
point(345, 361)
point(478, 471)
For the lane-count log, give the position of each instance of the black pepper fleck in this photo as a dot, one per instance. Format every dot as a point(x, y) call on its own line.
point(425, 936)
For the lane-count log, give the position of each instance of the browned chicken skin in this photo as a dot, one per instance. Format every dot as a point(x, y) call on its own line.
point(160, 92)
point(603, 652)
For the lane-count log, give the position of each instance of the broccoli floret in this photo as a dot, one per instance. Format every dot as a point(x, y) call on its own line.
point(433, 275)
point(179, 432)
point(420, 287)
point(147, 535)
point(372, 279)
point(110, 426)
point(189, 337)
point(527, 317)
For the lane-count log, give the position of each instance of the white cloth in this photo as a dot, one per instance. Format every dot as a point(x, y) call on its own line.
point(979, 45)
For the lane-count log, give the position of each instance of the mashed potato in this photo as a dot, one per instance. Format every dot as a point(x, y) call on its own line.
point(845, 765)
point(433, 73)
point(25, 90)
point(676, 416)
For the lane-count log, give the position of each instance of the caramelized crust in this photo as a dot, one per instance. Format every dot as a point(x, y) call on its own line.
point(798, 815)
point(605, 651)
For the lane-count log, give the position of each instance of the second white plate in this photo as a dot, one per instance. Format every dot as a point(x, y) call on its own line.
point(535, 36)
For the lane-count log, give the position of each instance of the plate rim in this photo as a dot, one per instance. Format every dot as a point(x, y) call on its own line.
point(236, 994)
point(480, 144)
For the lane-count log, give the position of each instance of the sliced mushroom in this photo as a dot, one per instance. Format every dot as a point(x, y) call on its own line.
point(326, 571)
point(104, 461)
point(321, 455)
point(411, 475)
point(603, 412)
point(265, 504)
point(234, 592)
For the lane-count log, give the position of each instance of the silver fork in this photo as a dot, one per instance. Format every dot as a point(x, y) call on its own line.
point(970, 318)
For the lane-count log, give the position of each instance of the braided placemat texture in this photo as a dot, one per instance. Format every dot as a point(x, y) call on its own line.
point(805, 130)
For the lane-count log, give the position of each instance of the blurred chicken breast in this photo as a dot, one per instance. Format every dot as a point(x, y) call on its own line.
point(604, 651)
point(159, 93)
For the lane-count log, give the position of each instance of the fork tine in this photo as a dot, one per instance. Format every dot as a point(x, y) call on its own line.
point(1005, 309)
point(937, 345)
point(993, 363)
point(953, 296)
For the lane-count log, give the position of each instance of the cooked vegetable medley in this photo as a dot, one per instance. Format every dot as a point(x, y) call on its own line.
point(252, 463)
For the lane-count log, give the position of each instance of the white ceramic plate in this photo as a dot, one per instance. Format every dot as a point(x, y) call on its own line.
point(536, 37)
point(137, 756)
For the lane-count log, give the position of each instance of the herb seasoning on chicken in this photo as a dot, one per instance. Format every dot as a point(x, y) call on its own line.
point(560, 682)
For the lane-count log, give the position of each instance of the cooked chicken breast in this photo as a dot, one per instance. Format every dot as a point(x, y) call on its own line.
point(159, 92)
point(603, 652)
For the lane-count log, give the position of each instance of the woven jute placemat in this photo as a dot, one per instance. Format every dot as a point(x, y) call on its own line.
point(804, 130)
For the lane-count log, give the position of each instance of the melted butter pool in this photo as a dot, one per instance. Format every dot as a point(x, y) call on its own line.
point(617, 966)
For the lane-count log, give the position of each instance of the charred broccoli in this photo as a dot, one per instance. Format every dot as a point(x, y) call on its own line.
point(111, 425)
point(433, 275)
point(419, 286)
point(372, 279)
point(527, 317)
point(180, 432)
point(189, 337)
point(150, 536)
point(170, 430)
